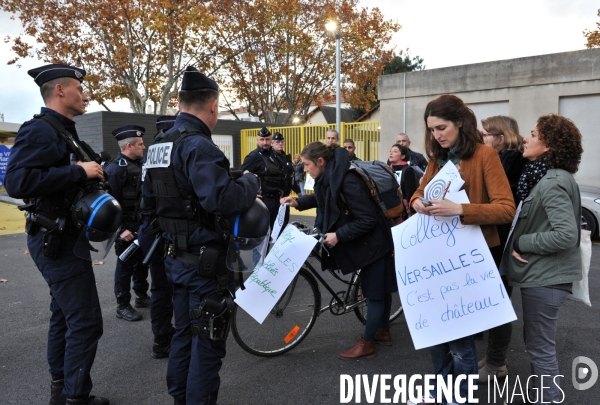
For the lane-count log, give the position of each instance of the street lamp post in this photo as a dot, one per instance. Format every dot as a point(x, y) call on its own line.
point(334, 30)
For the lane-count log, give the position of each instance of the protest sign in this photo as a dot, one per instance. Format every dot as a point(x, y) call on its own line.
point(265, 285)
point(447, 176)
point(310, 183)
point(447, 280)
point(4, 154)
point(278, 222)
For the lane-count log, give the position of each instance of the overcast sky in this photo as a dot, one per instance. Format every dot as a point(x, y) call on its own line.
point(442, 32)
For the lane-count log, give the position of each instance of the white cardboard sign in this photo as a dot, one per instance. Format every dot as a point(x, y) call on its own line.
point(266, 284)
point(278, 223)
point(448, 282)
point(309, 184)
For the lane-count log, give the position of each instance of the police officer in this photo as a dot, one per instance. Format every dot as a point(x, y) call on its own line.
point(43, 166)
point(194, 192)
point(149, 236)
point(123, 174)
point(266, 164)
point(285, 160)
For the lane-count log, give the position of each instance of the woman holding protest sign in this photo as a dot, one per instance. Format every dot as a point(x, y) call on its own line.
point(356, 233)
point(451, 135)
point(542, 255)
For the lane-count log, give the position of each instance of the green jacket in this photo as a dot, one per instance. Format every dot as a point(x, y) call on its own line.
point(548, 232)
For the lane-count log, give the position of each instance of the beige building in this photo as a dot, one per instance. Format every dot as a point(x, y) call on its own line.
point(524, 88)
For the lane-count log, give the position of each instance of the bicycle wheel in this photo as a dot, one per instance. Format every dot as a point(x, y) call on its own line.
point(361, 310)
point(287, 324)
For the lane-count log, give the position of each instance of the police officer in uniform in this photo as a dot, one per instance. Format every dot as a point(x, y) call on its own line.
point(123, 174)
point(285, 161)
point(194, 194)
point(43, 168)
point(268, 166)
point(149, 236)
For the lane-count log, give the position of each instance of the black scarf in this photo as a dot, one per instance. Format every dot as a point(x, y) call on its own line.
point(532, 174)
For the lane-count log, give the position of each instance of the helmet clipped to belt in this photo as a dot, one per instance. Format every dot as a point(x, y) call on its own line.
point(249, 238)
point(98, 216)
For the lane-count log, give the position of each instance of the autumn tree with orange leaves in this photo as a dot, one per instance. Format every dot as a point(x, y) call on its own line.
point(288, 58)
point(268, 55)
point(593, 37)
point(135, 50)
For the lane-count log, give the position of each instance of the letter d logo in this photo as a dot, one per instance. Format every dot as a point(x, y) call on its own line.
point(582, 373)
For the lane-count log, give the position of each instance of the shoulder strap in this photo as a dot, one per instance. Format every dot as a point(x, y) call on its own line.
point(84, 152)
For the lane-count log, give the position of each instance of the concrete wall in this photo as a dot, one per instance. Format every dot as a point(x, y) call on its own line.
point(524, 88)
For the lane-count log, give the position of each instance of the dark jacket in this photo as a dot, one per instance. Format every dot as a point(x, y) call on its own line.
point(513, 163)
point(346, 208)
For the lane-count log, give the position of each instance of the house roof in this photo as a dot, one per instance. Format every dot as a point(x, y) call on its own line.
point(368, 114)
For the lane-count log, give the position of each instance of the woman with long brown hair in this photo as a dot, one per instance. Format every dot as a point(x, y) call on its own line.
point(451, 135)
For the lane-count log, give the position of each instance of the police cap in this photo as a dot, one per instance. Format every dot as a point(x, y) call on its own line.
point(165, 122)
point(277, 136)
point(46, 73)
point(128, 131)
point(264, 132)
point(194, 80)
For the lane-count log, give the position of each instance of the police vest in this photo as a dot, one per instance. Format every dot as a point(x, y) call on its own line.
point(130, 193)
point(272, 181)
point(61, 204)
point(177, 210)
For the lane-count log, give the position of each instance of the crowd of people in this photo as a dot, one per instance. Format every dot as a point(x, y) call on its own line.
point(179, 199)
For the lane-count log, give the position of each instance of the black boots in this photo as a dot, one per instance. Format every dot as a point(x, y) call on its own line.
point(91, 400)
point(56, 395)
point(142, 301)
point(128, 313)
point(162, 345)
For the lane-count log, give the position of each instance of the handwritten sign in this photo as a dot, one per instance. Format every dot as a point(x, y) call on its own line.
point(265, 285)
point(278, 222)
point(448, 282)
point(4, 154)
point(310, 183)
point(436, 186)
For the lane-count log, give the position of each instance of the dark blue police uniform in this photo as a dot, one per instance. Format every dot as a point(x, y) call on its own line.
point(200, 168)
point(132, 270)
point(161, 300)
point(271, 183)
point(39, 166)
point(201, 173)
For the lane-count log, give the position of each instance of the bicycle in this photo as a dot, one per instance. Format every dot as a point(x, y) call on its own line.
point(294, 315)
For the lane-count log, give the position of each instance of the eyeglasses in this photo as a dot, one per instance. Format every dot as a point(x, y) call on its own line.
point(348, 147)
point(487, 134)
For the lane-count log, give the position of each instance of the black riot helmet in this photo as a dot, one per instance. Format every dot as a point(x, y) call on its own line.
point(249, 238)
point(99, 214)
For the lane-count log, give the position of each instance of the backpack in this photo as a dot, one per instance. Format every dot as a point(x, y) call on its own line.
point(383, 186)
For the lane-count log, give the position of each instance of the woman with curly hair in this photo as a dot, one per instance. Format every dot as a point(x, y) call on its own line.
point(542, 254)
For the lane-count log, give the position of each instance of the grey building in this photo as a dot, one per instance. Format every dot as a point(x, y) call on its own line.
point(525, 88)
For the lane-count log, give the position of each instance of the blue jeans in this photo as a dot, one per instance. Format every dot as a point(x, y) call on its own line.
point(455, 358)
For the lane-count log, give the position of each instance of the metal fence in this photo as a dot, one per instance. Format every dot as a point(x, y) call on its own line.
point(364, 134)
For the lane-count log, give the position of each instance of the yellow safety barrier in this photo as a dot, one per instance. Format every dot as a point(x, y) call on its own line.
point(364, 134)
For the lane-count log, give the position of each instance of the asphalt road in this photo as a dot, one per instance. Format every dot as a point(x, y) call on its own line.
point(125, 373)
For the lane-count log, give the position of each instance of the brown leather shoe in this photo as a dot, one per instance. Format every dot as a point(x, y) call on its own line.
point(383, 337)
point(362, 350)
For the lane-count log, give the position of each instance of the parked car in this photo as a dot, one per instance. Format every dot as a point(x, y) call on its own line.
point(590, 213)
